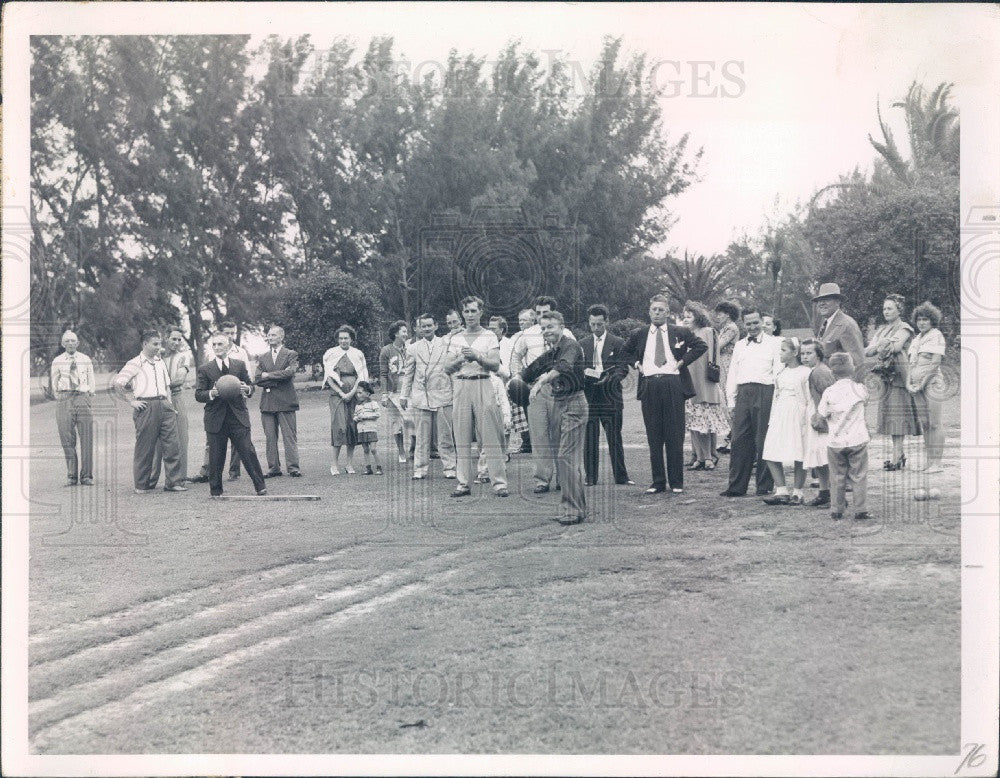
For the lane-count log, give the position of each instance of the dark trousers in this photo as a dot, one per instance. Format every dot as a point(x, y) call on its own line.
point(750, 419)
point(663, 413)
point(610, 417)
point(233, 431)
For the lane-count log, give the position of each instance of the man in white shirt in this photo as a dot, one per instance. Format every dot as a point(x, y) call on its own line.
point(749, 391)
point(236, 351)
point(155, 418)
point(427, 390)
point(178, 361)
point(541, 408)
point(473, 355)
point(73, 383)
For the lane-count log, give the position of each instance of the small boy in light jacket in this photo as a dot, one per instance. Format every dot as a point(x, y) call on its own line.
point(843, 405)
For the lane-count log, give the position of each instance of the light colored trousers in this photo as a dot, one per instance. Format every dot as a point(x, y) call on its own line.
point(75, 419)
point(846, 463)
point(544, 428)
point(425, 422)
point(272, 421)
point(569, 417)
point(156, 424)
point(476, 404)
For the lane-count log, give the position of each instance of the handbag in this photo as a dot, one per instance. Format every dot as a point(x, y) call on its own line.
point(713, 372)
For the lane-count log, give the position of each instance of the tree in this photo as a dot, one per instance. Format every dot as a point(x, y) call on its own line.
point(701, 279)
point(312, 307)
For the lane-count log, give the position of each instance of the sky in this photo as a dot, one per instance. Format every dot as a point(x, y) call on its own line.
point(795, 87)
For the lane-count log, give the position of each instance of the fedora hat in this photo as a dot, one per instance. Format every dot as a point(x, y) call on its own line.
point(828, 290)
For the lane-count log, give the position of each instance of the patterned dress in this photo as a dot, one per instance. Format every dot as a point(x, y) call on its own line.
point(343, 431)
point(897, 414)
point(704, 412)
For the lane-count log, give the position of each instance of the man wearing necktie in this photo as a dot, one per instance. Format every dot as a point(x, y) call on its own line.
point(278, 402)
point(662, 353)
point(749, 390)
point(604, 357)
point(153, 414)
point(227, 420)
point(836, 331)
point(73, 384)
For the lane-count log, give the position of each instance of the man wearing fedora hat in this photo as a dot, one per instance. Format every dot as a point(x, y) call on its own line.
point(835, 330)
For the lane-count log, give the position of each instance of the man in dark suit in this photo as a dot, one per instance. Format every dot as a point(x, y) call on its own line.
point(279, 402)
point(226, 420)
point(605, 368)
point(662, 353)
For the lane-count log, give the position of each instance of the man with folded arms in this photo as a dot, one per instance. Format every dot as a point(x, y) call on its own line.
point(560, 370)
point(544, 435)
point(278, 402)
point(153, 414)
point(73, 384)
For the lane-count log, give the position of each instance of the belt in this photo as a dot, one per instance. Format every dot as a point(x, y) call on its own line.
point(148, 399)
point(461, 377)
point(663, 375)
point(61, 392)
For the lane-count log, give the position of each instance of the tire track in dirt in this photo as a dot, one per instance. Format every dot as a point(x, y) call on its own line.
point(149, 664)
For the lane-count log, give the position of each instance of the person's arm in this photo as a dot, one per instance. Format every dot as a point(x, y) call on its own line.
point(409, 372)
point(122, 383)
point(734, 366)
point(728, 335)
point(54, 378)
point(517, 355)
point(489, 361)
point(696, 347)
point(204, 392)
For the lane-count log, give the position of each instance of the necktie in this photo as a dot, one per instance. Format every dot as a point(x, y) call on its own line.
point(597, 355)
point(822, 328)
point(660, 357)
point(225, 367)
point(74, 376)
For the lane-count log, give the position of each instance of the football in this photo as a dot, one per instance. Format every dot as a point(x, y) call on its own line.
point(228, 387)
point(518, 391)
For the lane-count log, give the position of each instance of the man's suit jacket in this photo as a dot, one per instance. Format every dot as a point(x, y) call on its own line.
point(843, 334)
point(215, 410)
point(684, 345)
point(278, 389)
point(607, 390)
point(425, 384)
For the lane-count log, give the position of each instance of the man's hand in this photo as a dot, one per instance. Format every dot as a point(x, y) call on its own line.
point(139, 405)
point(245, 388)
point(262, 376)
point(213, 393)
point(470, 354)
point(403, 402)
point(385, 400)
point(535, 390)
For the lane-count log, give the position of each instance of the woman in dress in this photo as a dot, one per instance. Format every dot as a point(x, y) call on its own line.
point(703, 413)
point(391, 360)
point(897, 414)
point(343, 367)
point(926, 382)
point(727, 315)
point(785, 441)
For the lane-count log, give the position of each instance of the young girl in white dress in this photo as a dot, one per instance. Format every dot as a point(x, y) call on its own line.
point(786, 430)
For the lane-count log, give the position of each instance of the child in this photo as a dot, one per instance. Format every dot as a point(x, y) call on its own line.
point(366, 415)
point(816, 457)
point(786, 434)
point(843, 405)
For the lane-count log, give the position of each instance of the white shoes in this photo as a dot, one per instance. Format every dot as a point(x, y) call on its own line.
point(334, 470)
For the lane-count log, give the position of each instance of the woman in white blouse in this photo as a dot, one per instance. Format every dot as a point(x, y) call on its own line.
point(926, 382)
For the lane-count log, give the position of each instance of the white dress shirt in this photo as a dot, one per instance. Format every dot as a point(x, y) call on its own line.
point(649, 366)
point(754, 362)
point(148, 377)
point(62, 373)
point(529, 347)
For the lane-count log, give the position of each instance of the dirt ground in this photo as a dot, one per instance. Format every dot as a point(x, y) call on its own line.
point(388, 618)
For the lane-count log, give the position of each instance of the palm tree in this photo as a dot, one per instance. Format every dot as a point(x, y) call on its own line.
point(933, 129)
point(702, 279)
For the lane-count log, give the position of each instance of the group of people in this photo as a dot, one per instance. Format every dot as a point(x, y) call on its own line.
point(475, 395)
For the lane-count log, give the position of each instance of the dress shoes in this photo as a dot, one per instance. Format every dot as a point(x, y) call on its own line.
point(778, 499)
point(295, 473)
point(568, 521)
point(262, 492)
point(655, 490)
point(234, 477)
point(272, 474)
point(142, 491)
point(501, 492)
point(729, 493)
point(627, 482)
point(199, 479)
point(590, 483)
point(174, 489)
point(86, 482)
point(677, 490)
point(461, 491)
point(541, 488)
